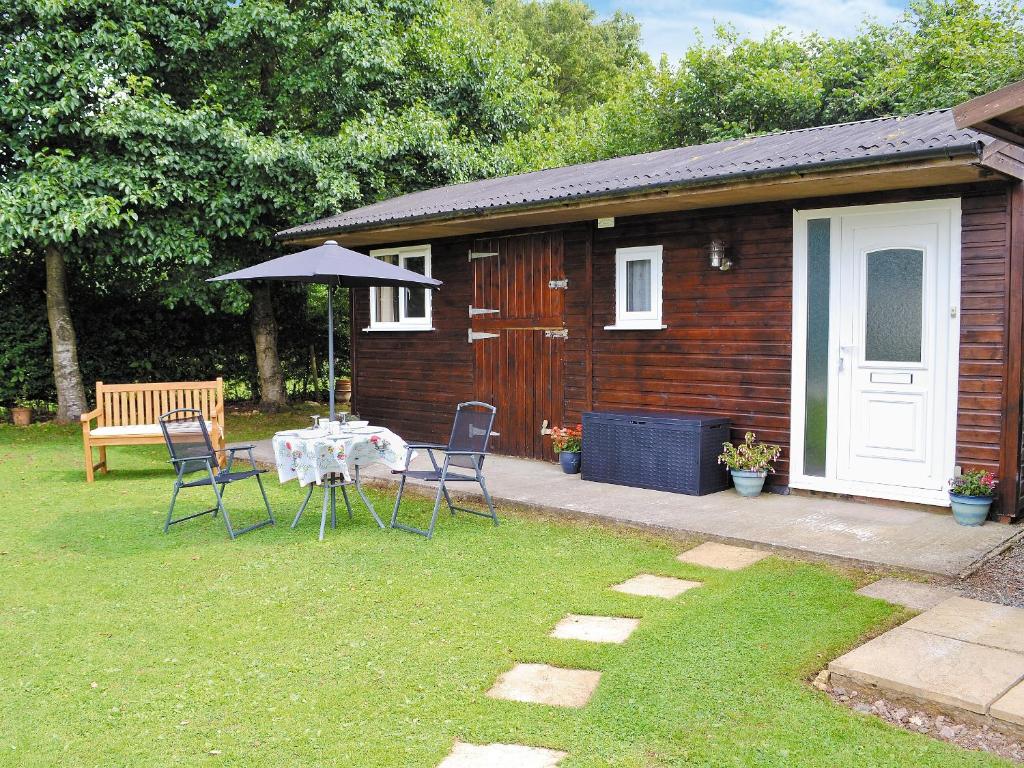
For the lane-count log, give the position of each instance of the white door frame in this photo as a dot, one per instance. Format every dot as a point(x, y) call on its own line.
point(945, 432)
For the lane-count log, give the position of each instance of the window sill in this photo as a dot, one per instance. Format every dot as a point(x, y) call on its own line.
point(398, 329)
point(652, 326)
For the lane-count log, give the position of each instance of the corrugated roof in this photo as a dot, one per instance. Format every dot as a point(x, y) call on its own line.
point(877, 141)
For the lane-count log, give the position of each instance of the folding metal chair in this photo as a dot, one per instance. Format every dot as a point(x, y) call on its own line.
point(466, 448)
point(188, 442)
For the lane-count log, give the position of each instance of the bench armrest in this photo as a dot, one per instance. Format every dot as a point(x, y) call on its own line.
point(93, 414)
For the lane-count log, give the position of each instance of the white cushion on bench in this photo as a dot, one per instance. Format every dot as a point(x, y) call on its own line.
point(137, 430)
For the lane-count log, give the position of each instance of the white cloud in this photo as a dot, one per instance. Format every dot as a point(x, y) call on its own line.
point(671, 26)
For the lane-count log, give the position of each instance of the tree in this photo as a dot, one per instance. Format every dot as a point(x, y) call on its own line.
point(941, 52)
point(63, 180)
point(583, 57)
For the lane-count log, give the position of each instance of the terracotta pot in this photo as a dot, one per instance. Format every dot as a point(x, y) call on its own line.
point(21, 416)
point(343, 391)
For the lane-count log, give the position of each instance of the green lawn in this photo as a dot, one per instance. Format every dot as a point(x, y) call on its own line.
point(125, 647)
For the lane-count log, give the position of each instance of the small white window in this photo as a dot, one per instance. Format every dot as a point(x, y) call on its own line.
point(637, 288)
point(402, 309)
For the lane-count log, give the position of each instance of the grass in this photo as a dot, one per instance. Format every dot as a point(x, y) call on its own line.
point(125, 647)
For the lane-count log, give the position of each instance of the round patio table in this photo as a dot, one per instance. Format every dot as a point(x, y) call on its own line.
point(317, 457)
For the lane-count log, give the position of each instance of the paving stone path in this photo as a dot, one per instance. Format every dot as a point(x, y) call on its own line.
point(501, 756)
point(558, 687)
point(964, 654)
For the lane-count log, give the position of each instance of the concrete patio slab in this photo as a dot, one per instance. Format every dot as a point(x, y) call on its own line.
point(544, 684)
point(873, 534)
point(713, 554)
point(649, 585)
point(465, 755)
point(595, 629)
point(933, 668)
point(974, 621)
point(1010, 707)
point(909, 594)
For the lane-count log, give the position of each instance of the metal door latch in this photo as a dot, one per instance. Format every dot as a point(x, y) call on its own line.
point(544, 428)
point(477, 335)
point(563, 283)
point(556, 333)
point(474, 311)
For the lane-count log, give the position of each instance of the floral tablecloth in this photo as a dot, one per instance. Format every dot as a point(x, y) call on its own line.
point(310, 455)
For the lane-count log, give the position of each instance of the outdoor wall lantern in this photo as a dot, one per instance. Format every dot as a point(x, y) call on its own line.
point(717, 257)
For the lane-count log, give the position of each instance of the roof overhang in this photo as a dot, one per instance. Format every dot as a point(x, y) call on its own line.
point(999, 113)
point(924, 172)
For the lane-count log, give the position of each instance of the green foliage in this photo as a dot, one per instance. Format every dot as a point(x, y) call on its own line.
point(184, 343)
point(940, 53)
point(974, 482)
point(581, 56)
point(749, 455)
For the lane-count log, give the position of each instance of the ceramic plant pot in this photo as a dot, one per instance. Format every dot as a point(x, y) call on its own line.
point(970, 510)
point(343, 391)
point(570, 461)
point(21, 417)
point(748, 482)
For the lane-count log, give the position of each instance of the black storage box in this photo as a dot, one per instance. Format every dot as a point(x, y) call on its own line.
point(663, 451)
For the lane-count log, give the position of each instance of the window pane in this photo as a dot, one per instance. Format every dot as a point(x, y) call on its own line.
point(816, 394)
point(415, 298)
point(892, 324)
point(638, 285)
point(387, 298)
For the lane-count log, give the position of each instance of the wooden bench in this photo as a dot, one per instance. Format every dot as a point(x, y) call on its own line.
point(129, 414)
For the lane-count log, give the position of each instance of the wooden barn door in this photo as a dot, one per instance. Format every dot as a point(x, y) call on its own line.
point(518, 335)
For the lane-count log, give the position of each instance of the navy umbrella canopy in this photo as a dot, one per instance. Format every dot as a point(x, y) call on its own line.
point(330, 264)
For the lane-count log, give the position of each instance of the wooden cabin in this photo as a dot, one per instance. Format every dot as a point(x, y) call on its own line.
point(851, 292)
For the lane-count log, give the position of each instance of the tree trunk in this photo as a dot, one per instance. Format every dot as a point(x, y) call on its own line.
point(66, 373)
point(264, 337)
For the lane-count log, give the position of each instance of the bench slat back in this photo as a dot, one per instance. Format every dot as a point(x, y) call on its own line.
point(129, 405)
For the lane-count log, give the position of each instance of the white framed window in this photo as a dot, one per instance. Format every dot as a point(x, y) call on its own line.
point(402, 309)
point(637, 288)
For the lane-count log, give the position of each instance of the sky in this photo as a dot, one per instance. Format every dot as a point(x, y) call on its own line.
point(668, 25)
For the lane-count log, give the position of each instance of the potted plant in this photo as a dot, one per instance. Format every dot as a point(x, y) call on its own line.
point(971, 495)
point(568, 442)
point(343, 390)
point(749, 463)
point(21, 413)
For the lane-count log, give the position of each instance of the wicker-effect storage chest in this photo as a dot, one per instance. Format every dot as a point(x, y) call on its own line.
point(663, 451)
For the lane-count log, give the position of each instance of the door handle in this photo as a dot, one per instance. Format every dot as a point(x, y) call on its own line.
point(843, 352)
point(544, 428)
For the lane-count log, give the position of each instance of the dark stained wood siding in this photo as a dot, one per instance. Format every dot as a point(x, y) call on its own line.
point(727, 347)
point(726, 350)
point(411, 381)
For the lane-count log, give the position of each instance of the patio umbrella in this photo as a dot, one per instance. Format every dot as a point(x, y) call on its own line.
point(331, 265)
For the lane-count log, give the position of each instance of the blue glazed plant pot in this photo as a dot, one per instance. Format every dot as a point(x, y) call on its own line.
point(570, 461)
point(748, 482)
point(970, 510)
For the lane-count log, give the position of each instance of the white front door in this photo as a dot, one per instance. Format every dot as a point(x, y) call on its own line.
point(893, 350)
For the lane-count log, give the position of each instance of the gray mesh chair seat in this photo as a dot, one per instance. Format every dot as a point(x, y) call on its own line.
point(466, 449)
point(192, 452)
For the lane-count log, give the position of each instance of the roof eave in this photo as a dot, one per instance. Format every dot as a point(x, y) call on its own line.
point(958, 152)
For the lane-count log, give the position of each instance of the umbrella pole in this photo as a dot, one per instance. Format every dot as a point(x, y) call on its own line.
point(330, 349)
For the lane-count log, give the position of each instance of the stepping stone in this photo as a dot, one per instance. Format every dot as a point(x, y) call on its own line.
point(544, 684)
point(595, 629)
point(711, 554)
point(500, 756)
point(974, 621)
point(647, 585)
point(909, 594)
point(933, 668)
